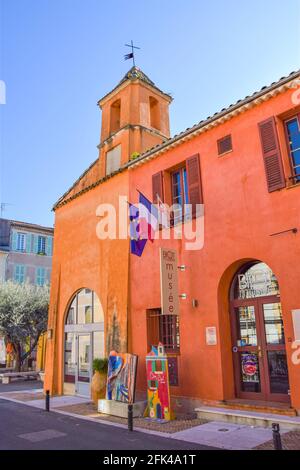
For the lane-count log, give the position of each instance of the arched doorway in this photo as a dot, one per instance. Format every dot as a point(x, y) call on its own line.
point(83, 340)
point(258, 340)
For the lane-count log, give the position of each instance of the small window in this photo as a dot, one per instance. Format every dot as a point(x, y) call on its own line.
point(115, 116)
point(40, 276)
point(21, 241)
point(163, 329)
point(154, 113)
point(41, 245)
point(293, 136)
point(224, 145)
point(19, 273)
point(180, 195)
point(113, 159)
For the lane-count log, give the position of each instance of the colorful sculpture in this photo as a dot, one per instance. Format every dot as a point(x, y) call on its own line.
point(158, 392)
point(121, 377)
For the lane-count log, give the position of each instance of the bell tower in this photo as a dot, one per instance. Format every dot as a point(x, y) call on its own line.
point(135, 117)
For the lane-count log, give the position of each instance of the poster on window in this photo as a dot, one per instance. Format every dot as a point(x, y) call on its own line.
point(250, 368)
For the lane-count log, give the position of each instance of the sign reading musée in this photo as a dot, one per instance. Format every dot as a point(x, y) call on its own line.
point(169, 282)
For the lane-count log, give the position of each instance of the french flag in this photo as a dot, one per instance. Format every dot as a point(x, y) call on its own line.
point(148, 218)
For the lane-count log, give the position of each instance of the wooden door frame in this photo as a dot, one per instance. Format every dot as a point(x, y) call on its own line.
point(236, 356)
point(280, 397)
point(262, 349)
point(77, 335)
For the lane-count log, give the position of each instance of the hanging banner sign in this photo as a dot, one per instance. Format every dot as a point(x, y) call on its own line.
point(169, 282)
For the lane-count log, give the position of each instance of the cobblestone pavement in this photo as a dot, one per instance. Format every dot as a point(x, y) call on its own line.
point(183, 422)
point(290, 441)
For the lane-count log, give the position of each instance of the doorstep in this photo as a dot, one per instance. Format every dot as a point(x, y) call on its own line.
point(252, 418)
point(260, 406)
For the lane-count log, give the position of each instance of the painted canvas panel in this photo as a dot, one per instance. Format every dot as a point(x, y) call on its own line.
point(121, 377)
point(158, 391)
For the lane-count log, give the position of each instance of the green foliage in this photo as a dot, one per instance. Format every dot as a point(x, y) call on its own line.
point(100, 364)
point(23, 312)
point(134, 155)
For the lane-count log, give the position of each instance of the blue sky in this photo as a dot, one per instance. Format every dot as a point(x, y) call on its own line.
point(58, 57)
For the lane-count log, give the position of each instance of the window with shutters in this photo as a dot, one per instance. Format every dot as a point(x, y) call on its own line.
point(292, 127)
point(19, 273)
point(40, 276)
point(21, 238)
point(271, 155)
point(224, 145)
point(41, 245)
point(180, 196)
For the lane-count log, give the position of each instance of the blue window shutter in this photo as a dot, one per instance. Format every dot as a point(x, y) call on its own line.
point(28, 243)
point(14, 241)
point(35, 243)
point(16, 272)
point(40, 276)
point(23, 273)
point(49, 246)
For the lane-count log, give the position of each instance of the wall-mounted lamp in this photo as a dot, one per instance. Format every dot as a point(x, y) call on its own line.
point(195, 303)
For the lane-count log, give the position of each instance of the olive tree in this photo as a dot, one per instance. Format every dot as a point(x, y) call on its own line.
point(23, 314)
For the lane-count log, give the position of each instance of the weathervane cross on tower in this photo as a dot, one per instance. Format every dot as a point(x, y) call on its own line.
point(131, 54)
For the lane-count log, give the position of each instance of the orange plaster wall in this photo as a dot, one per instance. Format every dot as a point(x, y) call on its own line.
point(240, 215)
point(82, 260)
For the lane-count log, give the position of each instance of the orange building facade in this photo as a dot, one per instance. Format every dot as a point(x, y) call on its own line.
point(237, 336)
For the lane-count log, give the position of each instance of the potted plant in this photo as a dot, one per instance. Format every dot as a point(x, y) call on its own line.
point(98, 385)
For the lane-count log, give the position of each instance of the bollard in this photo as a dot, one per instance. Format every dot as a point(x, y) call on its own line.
point(276, 436)
point(47, 400)
point(130, 417)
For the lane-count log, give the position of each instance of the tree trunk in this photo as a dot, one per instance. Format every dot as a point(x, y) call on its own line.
point(27, 354)
point(17, 348)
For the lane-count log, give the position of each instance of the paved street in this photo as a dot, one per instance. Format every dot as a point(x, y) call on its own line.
point(23, 427)
point(18, 385)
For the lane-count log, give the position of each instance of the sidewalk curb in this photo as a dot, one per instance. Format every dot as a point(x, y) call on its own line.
point(94, 420)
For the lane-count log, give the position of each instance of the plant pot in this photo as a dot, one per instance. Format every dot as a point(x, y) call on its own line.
point(98, 386)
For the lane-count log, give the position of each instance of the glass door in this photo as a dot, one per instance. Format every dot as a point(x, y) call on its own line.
point(259, 353)
point(273, 350)
point(247, 355)
point(83, 376)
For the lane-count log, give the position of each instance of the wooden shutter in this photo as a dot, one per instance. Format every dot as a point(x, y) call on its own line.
point(14, 243)
point(153, 327)
point(49, 246)
point(224, 145)
point(194, 182)
point(271, 155)
point(36, 244)
point(28, 243)
point(157, 187)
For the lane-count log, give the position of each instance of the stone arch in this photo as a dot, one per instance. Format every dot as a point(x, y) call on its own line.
point(83, 340)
